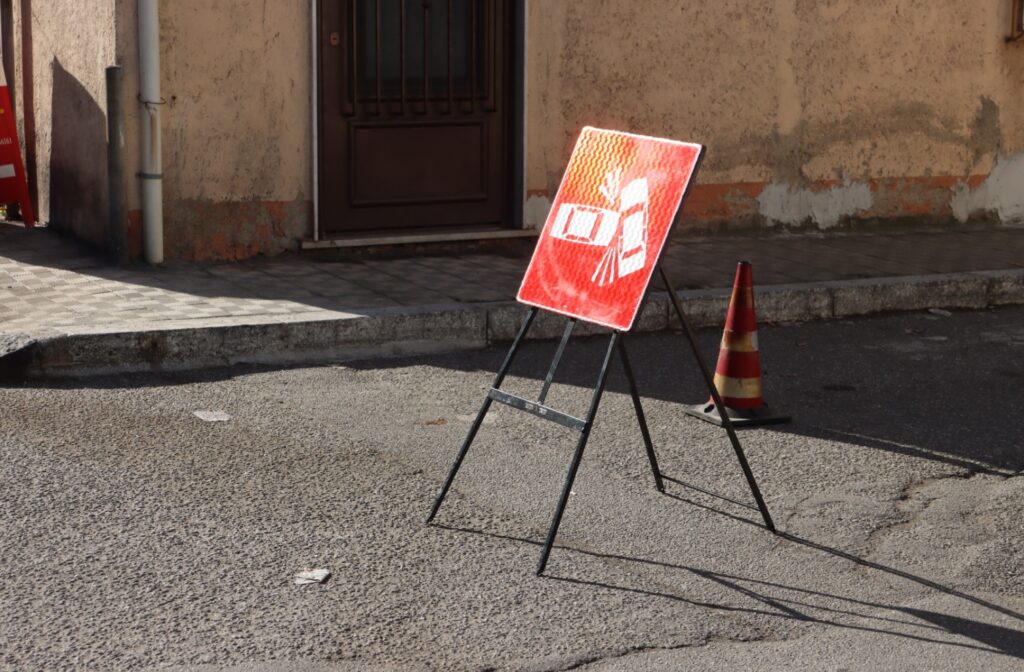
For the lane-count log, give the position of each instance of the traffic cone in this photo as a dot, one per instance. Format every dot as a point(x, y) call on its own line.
point(738, 373)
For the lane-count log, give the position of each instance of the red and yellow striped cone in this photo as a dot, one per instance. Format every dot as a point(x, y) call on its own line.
point(738, 373)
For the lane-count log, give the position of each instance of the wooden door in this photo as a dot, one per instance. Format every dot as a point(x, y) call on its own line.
point(414, 114)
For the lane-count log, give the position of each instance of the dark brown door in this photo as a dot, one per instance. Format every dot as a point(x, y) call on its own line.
point(414, 117)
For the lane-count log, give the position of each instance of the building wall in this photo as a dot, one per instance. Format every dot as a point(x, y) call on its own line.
point(236, 124)
point(236, 76)
point(816, 114)
point(71, 45)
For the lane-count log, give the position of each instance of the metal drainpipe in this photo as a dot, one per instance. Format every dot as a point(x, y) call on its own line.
point(315, 112)
point(152, 156)
point(115, 164)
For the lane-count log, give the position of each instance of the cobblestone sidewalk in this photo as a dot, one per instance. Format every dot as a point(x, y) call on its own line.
point(49, 284)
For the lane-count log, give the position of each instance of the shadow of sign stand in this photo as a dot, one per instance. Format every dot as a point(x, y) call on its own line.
point(619, 200)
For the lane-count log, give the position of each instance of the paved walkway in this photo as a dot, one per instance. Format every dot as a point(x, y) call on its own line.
point(66, 311)
point(49, 284)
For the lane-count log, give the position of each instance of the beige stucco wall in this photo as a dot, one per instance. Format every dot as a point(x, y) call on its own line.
point(236, 76)
point(818, 113)
point(236, 124)
point(72, 44)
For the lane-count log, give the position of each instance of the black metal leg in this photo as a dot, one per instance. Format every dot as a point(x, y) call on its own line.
point(578, 455)
point(641, 419)
point(475, 427)
point(554, 362)
point(726, 421)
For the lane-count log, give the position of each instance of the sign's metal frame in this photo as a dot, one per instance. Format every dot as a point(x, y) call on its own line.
point(584, 425)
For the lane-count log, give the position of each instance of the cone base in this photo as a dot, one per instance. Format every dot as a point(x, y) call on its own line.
point(740, 417)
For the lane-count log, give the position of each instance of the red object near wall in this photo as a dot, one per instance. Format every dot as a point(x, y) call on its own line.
point(13, 182)
point(738, 373)
point(608, 225)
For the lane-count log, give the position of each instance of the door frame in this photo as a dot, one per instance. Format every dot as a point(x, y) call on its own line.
point(517, 114)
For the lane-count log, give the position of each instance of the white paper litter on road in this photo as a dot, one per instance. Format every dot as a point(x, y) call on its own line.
point(312, 576)
point(212, 416)
point(939, 311)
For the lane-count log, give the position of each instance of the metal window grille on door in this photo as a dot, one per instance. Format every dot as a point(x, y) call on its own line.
point(420, 57)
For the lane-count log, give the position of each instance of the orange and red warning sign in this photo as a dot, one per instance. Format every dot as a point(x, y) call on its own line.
point(608, 225)
point(13, 183)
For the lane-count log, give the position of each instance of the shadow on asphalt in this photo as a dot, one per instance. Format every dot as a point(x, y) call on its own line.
point(846, 381)
point(990, 638)
point(1004, 464)
point(874, 382)
point(140, 380)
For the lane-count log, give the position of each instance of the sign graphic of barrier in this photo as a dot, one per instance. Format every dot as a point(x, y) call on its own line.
point(13, 184)
point(607, 226)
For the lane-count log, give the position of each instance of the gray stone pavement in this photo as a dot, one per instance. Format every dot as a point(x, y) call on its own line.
point(135, 536)
point(54, 291)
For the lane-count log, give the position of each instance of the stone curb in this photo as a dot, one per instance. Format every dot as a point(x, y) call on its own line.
point(447, 327)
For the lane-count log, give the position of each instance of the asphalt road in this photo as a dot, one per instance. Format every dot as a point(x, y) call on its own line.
point(134, 535)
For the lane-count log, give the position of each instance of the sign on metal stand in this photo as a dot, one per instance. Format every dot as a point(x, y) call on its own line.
point(619, 199)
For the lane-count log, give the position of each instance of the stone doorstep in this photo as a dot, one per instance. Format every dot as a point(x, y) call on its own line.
point(315, 338)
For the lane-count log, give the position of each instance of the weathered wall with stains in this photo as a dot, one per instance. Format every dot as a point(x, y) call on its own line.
point(236, 125)
point(72, 43)
point(816, 113)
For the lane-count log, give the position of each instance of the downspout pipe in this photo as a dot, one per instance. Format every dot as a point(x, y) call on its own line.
point(115, 165)
point(152, 154)
point(314, 107)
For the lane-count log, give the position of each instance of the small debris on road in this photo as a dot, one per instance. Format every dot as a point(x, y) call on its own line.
point(312, 576)
point(939, 311)
point(436, 423)
point(912, 331)
point(212, 416)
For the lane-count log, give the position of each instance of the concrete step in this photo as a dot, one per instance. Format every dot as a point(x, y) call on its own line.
point(387, 332)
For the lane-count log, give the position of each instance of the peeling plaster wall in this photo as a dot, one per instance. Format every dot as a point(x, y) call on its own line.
point(816, 113)
point(236, 75)
point(1002, 193)
point(784, 204)
point(72, 44)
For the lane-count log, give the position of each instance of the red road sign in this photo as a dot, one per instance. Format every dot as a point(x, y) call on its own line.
point(608, 225)
point(13, 184)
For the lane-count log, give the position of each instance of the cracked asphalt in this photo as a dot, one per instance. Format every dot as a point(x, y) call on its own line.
point(133, 535)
